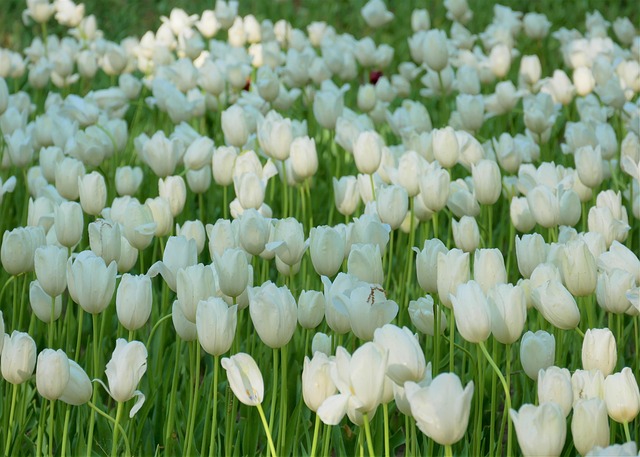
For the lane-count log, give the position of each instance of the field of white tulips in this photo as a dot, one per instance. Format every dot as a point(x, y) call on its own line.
point(401, 234)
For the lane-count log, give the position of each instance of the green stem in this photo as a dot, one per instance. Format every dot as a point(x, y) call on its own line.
point(116, 429)
point(385, 411)
point(627, 435)
point(272, 448)
point(272, 412)
point(447, 450)
point(113, 421)
point(40, 428)
point(14, 395)
point(51, 410)
point(168, 441)
point(51, 323)
point(373, 188)
point(194, 399)
point(282, 433)
point(155, 328)
point(452, 330)
point(316, 429)
point(92, 419)
point(504, 385)
point(367, 431)
point(285, 194)
point(214, 417)
point(65, 431)
point(494, 381)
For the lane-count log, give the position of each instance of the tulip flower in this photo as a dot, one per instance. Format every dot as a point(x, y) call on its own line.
point(621, 395)
point(179, 252)
point(289, 243)
point(18, 357)
point(508, 309)
point(441, 409)
point(185, 329)
point(599, 351)
point(253, 231)
point(554, 385)
point(52, 373)
point(587, 384)
point(216, 323)
point(360, 380)
point(365, 263)
point(233, 271)
point(125, 369)
point(422, 314)
point(327, 249)
point(311, 306)
point(78, 389)
point(406, 360)
point(541, 430)
point(93, 193)
point(18, 249)
point(589, 425)
point(453, 270)
point(466, 234)
point(537, 351)
point(317, 384)
point(105, 239)
point(368, 309)
point(50, 262)
point(194, 283)
point(488, 268)
point(556, 304)
point(91, 283)
point(134, 301)
point(427, 264)
point(274, 313)
point(471, 310)
point(244, 378)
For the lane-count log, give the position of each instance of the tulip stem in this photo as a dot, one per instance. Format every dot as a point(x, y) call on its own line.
point(92, 419)
point(504, 385)
point(447, 450)
point(316, 429)
point(195, 374)
point(627, 435)
point(272, 448)
point(282, 433)
point(168, 442)
point(51, 405)
point(225, 201)
point(65, 431)
point(373, 187)
point(272, 412)
point(389, 256)
point(214, 417)
point(155, 328)
point(116, 429)
point(326, 440)
point(385, 410)
point(112, 420)
point(51, 323)
point(436, 337)
point(452, 329)
point(367, 431)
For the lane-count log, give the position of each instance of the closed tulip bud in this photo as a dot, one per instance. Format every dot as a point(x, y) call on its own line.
point(194, 283)
point(253, 231)
point(541, 430)
point(471, 310)
point(405, 360)
point(392, 205)
point(346, 196)
point(367, 152)
point(521, 216)
point(93, 193)
point(328, 105)
point(40, 303)
point(321, 342)
point(222, 164)
point(327, 250)
point(445, 146)
point(434, 188)
point(436, 53)
point(161, 213)
point(311, 304)
point(233, 271)
point(621, 395)
point(556, 304)
point(611, 290)
point(599, 351)
point(453, 270)
point(244, 378)
point(441, 409)
point(78, 390)
point(304, 158)
point(91, 283)
point(193, 230)
point(554, 385)
point(69, 223)
point(52, 373)
point(508, 309)
point(50, 262)
point(317, 384)
point(234, 126)
point(589, 166)
point(199, 153)
point(222, 235)
point(105, 239)
point(589, 425)
point(470, 109)
point(466, 234)
point(587, 384)
point(531, 251)
point(578, 268)
point(368, 309)
point(544, 206)
point(173, 190)
point(537, 351)
point(250, 190)
point(185, 328)
point(570, 207)
point(422, 314)
point(128, 180)
point(134, 299)
point(18, 249)
point(487, 181)
point(216, 323)
point(275, 136)
point(18, 357)
point(488, 268)
point(67, 173)
point(289, 243)
point(274, 313)
point(199, 181)
point(427, 264)
point(365, 263)
point(125, 369)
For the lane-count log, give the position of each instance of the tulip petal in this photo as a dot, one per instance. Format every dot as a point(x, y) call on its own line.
point(333, 409)
point(139, 403)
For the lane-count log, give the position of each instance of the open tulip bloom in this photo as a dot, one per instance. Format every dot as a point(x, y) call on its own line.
point(354, 226)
